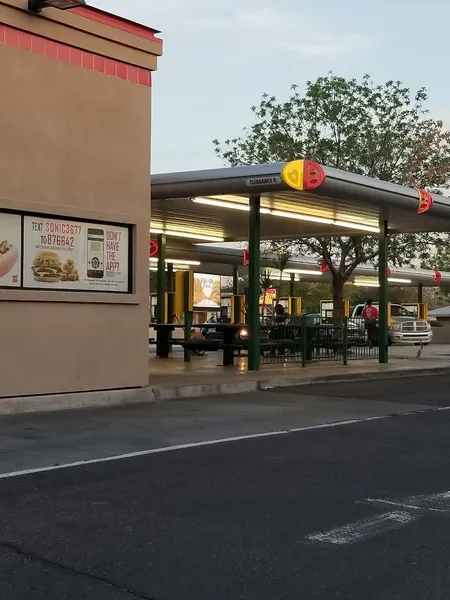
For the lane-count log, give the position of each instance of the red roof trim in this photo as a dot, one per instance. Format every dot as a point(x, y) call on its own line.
point(101, 16)
point(10, 36)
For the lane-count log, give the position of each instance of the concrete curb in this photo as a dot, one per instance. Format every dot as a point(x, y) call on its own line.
point(56, 402)
point(349, 377)
point(200, 391)
point(30, 404)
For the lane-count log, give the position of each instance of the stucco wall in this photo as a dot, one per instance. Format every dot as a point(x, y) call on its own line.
point(74, 143)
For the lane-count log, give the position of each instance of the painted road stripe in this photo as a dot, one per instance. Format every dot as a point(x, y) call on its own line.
point(363, 529)
point(439, 503)
point(241, 438)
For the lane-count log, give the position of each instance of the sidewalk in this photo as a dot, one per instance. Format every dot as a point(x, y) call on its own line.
point(203, 377)
point(172, 378)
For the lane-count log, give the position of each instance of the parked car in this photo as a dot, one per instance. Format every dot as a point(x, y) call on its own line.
point(211, 333)
point(328, 334)
point(405, 328)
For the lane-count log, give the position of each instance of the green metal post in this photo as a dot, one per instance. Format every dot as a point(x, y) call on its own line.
point(305, 341)
point(170, 281)
point(383, 281)
point(161, 279)
point(235, 281)
point(292, 286)
point(420, 293)
point(345, 340)
point(188, 316)
point(254, 240)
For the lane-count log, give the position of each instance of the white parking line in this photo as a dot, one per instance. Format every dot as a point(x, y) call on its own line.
point(363, 529)
point(254, 436)
point(438, 503)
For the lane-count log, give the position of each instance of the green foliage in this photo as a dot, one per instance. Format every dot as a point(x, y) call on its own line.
point(381, 131)
point(440, 260)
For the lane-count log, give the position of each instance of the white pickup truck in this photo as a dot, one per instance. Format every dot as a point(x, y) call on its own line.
point(404, 328)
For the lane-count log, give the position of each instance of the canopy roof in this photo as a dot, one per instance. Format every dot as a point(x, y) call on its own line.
point(298, 199)
point(209, 258)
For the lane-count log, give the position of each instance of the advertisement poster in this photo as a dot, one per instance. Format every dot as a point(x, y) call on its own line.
point(206, 291)
point(10, 248)
point(268, 298)
point(71, 255)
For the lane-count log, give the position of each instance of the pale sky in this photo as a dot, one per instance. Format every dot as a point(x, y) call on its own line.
point(221, 56)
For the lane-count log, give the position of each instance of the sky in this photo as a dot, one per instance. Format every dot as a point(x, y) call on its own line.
point(220, 56)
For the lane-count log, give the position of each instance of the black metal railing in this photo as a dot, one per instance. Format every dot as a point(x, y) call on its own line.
point(312, 338)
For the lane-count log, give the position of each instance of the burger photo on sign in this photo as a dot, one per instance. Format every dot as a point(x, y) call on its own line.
point(9, 255)
point(47, 267)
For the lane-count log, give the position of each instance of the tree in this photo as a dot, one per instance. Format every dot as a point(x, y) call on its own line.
point(440, 260)
point(281, 263)
point(382, 131)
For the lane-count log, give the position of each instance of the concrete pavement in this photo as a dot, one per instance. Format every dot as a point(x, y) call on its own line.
point(354, 511)
point(33, 441)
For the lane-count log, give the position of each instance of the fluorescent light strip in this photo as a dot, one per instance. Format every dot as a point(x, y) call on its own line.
point(232, 205)
point(286, 215)
point(189, 236)
point(303, 272)
point(395, 280)
point(359, 284)
point(299, 217)
point(363, 283)
point(177, 261)
point(154, 269)
point(276, 277)
point(358, 226)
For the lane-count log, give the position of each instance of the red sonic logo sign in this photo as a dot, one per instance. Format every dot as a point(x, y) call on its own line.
point(425, 202)
point(437, 276)
point(153, 250)
point(323, 266)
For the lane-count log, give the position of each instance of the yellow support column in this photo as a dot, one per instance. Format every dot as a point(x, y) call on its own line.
point(346, 308)
point(178, 300)
point(238, 309)
point(423, 311)
point(294, 306)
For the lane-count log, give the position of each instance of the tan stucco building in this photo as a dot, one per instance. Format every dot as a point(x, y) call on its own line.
point(75, 108)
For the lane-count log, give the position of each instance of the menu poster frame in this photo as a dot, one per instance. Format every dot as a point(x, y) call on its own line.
point(11, 250)
point(216, 286)
point(125, 286)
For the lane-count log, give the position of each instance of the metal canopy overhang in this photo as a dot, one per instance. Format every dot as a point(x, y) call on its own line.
point(355, 201)
point(219, 261)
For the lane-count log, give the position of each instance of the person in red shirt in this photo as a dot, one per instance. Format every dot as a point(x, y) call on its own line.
point(370, 316)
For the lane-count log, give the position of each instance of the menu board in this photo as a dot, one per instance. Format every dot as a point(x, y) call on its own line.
point(72, 255)
point(206, 291)
point(10, 249)
point(326, 308)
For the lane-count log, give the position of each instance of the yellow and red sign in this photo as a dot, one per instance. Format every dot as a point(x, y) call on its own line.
point(303, 175)
point(425, 201)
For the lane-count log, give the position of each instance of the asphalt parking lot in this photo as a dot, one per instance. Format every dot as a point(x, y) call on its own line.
point(351, 511)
